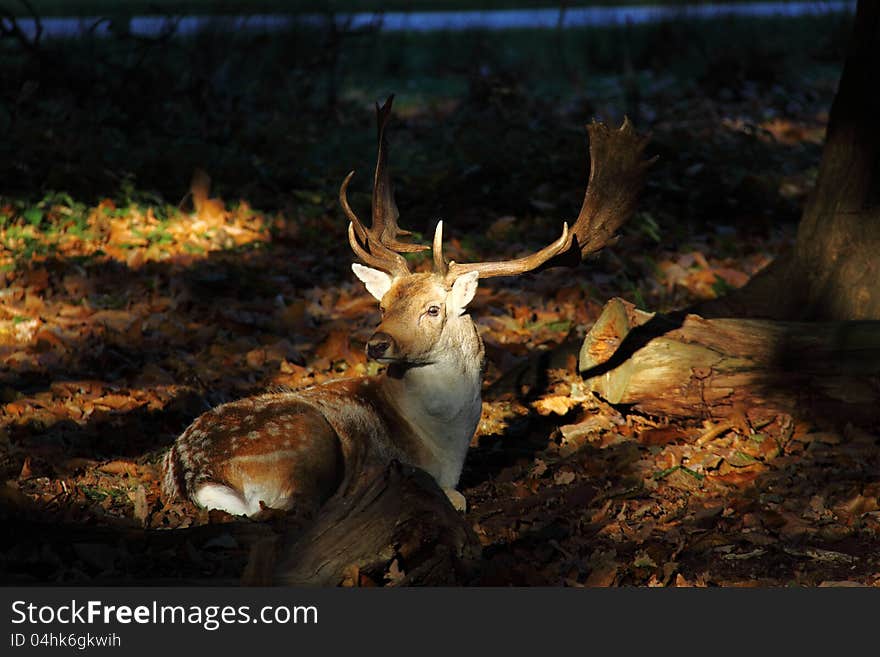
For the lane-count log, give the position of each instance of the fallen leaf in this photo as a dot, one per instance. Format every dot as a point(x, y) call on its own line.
point(256, 358)
point(394, 575)
point(350, 576)
point(119, 467)
point(661, 435)
point(119, 321)
point(564, 478)
point(139, 502)
point(560, 405)
point(26, 472)
point(604, 568)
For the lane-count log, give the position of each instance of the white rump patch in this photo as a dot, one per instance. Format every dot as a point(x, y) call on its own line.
point(218, 496)
point(225, 498)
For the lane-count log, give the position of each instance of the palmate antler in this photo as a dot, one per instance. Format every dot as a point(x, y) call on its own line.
point(379, 245)
point(617, 176)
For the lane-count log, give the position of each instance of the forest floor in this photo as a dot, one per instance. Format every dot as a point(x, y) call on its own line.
point(123, 317)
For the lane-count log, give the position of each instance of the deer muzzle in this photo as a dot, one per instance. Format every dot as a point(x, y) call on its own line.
point(380, 346)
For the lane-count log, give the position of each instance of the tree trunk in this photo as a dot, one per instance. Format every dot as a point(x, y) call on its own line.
point(684, 365)
point(833, 272)
point(397, 528)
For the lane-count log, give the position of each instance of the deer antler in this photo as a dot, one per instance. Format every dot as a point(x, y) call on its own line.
point(379, 245)
point(617, 175)
point(453, 270)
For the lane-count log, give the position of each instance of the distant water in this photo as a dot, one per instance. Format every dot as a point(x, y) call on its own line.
point(430, 21)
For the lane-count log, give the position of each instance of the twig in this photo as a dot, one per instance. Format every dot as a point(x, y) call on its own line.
point(714, 432)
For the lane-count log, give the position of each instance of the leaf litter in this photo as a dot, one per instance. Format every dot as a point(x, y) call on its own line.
point(121, 327)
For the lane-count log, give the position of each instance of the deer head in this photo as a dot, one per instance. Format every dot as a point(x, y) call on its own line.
point(418, 308)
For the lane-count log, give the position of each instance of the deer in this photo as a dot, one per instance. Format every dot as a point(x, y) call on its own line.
point(296, 449)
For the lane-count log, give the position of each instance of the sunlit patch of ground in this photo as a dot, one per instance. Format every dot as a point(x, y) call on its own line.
point(123, 321)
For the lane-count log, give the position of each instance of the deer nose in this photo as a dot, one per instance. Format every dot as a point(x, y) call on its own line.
point(379, 345)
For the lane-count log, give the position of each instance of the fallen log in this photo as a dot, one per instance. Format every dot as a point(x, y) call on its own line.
point(398, 528)
point(683, 365)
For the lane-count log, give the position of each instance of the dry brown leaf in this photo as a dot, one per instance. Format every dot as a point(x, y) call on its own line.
point(139, 503)
point(210, 210)
point(560, 405)
point(604, 569)
point(117, 402)
point(683, 480)
point(256, 358)
point(538, 468)
point(351, 576)
point(564, 477)
point(661, 435)
point(335, 346)
point(119, 467)
point(26, 472)
point(741, 477)
point(394, 575)
point(119, 321)
point(136, 258)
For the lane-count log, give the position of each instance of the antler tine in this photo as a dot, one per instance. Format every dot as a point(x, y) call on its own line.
point(346, 208)
point(378, 245)
point(385, 212)
point(517, 266)
point(391, 265)
point(365, 244)
point(440, 264)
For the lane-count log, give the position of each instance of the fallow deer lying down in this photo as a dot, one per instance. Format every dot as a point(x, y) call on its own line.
point(296, 449)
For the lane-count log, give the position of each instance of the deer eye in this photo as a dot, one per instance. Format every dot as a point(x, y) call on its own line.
point(433, 311)
point(382, 309)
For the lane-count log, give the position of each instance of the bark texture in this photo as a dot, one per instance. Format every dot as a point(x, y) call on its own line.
point(398, 528)
point(833, 272)
point(688, 366)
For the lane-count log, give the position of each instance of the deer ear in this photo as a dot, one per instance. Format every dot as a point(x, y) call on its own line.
point(377, 282)
point(463, 291)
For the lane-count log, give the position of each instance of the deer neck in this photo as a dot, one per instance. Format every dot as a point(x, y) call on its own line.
point(441, 400)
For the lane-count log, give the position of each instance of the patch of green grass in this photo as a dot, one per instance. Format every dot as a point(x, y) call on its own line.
point(97, 494)
point(34, 246)
point(645, 224)
point(160, 236)
point(130, 194)
point(33, 216)
point(662, 474)
point(93, 493)
point(721, 287)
